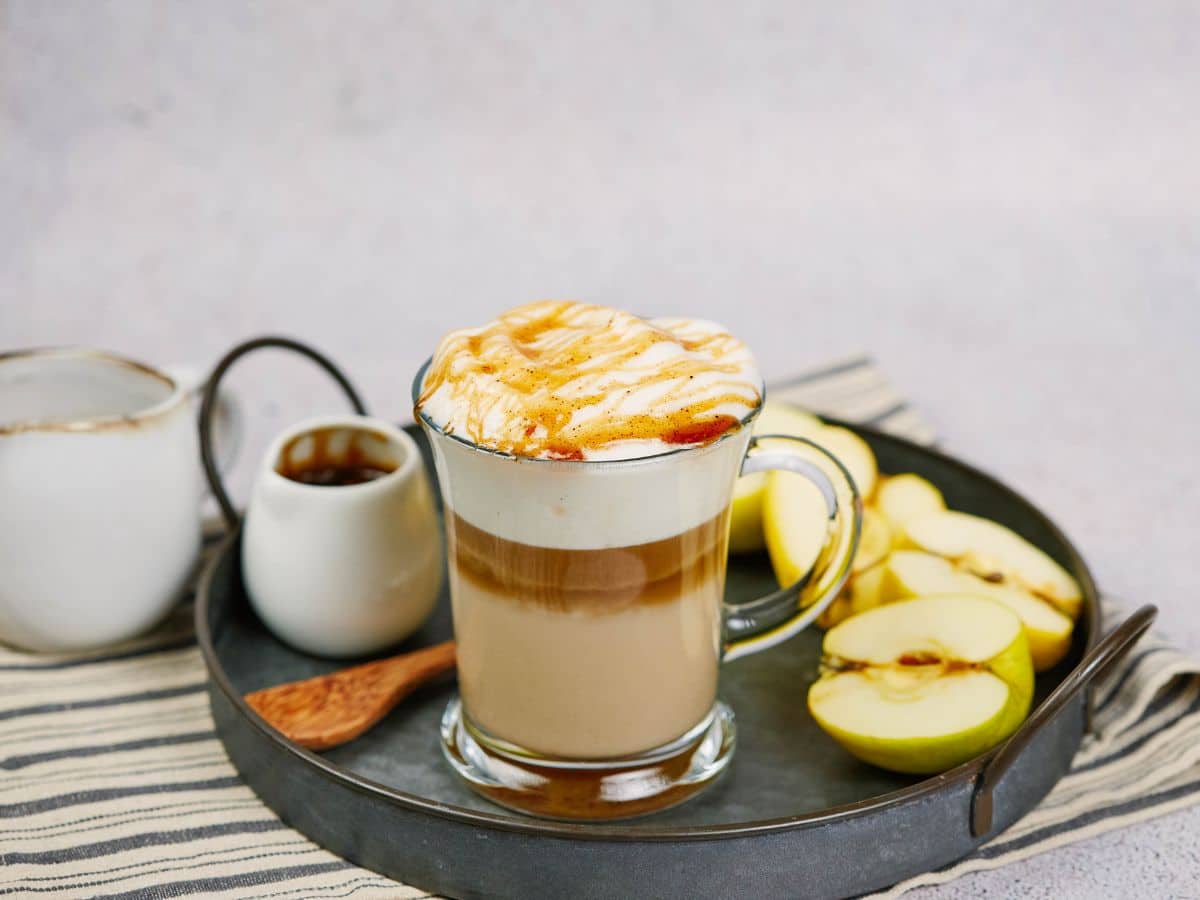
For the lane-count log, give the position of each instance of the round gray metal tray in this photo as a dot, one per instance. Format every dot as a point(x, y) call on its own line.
point(795, 815)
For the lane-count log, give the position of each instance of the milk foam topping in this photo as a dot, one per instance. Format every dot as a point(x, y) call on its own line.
point(566, 380)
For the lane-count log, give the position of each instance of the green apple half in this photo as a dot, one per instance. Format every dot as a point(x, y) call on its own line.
point(911, 573)
point(923, 685)
point(995, 553)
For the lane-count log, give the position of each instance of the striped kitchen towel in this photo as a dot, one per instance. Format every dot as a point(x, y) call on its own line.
point(114, 784)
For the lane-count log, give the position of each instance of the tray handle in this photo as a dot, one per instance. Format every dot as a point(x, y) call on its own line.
point(1094, 666)
point(208, 403)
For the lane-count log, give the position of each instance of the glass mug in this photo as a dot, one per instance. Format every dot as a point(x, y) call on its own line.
point(590, 620)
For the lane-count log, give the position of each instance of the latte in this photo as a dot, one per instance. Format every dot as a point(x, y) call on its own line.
point(586, 632)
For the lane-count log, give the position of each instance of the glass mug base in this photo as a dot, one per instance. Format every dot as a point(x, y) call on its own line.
point(576, 790)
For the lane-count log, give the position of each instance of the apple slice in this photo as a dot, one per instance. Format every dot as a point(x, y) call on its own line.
point(852, 452)
point(905, 497)
point(874, 543)
point(784, 418)
point(745, 516)
point(996, 554)
point(866, 572)
point(838, 611)
point(799, 530)
point(745, 520)
point(794, 519)
point(866, 590)
point(862, 592)
point(795, 525)
point(923, 685)
point(911, 573)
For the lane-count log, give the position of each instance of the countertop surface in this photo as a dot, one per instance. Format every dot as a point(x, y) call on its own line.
point(1001, 203)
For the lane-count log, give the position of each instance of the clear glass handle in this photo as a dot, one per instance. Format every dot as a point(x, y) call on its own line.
point(758, 624)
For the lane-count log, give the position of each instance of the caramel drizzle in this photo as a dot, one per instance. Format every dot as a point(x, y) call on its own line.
point(539, 350)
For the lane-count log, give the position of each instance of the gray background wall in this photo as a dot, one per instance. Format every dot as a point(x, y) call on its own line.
point(1000, 201)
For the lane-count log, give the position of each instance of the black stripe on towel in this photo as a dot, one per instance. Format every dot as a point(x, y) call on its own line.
point(880, 417)
point(283, 850)
point(94, 660)
point(140, 697)
point(362, 881)
point(106, 725)
point(1137, 744)
point(841, 368)
point(1131, 667)
point(1174, 689)
point(228, 882)
point(999, 848)
point(101, 795)
point(32, 759)
point(101, 821)
point(60, 777)
point(138, 841)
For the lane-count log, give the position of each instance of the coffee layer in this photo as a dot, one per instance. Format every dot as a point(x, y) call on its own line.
point(603, 580)
point(574, 685)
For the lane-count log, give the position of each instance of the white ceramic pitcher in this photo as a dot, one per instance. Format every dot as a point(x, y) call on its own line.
point(100, 495)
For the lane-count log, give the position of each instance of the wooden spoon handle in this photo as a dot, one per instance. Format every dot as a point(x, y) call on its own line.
point(323, 712)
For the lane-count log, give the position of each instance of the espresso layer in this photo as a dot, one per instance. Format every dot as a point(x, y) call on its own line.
point(604, 580)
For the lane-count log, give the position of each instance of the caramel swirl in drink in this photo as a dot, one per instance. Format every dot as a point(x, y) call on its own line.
point(566, 380)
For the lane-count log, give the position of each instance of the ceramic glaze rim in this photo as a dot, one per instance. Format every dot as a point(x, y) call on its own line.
point(170, 402)
point(410, 463)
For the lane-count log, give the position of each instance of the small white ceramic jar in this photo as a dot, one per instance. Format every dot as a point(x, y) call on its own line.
point(342, 570)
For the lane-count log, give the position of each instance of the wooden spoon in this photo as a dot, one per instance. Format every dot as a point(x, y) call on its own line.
point(323, 712)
